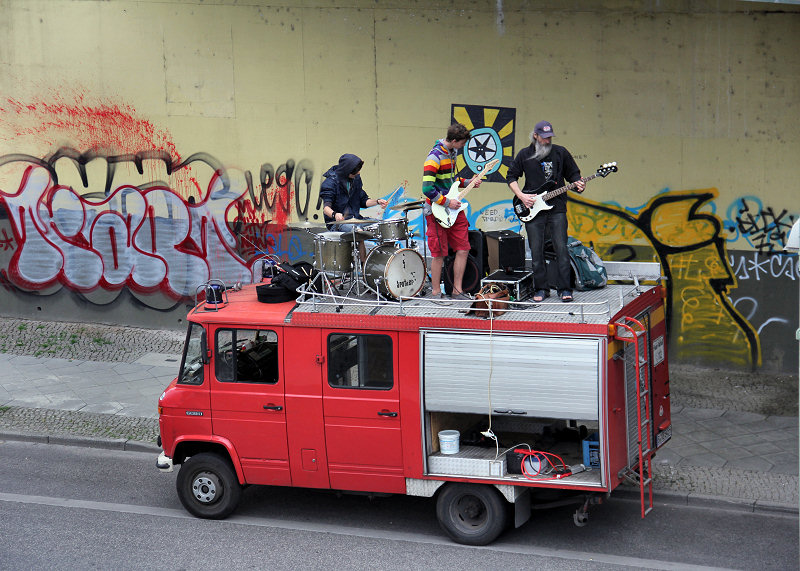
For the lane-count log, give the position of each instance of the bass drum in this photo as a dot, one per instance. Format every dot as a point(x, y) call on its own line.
point(395, 272)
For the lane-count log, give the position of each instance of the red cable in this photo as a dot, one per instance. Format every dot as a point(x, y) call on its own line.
point(542, 457)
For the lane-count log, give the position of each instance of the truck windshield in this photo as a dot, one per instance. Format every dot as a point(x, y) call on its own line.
point(192, 369)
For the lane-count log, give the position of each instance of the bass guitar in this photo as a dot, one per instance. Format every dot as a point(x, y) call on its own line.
point(526, 214)
point(447, 216)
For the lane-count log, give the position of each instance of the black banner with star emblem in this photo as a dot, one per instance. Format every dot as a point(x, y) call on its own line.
point(492, 137)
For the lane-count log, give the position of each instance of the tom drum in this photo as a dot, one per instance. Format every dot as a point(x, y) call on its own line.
point(395, 272)
point(333, 252)
point(393, 230)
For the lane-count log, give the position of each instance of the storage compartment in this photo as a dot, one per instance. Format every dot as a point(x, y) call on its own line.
point(542, 392)
point(480, 456)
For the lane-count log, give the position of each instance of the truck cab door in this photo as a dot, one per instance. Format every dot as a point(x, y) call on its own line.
point(361, 409)
point(247, 400)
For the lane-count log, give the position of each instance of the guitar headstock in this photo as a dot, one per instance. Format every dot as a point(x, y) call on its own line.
point(488, 166)
point(607, 169)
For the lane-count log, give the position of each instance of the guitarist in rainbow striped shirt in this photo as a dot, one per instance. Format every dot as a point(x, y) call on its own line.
point(438, 175)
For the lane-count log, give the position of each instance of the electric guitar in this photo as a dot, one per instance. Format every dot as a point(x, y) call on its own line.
point(526, 214)
point(447, 216)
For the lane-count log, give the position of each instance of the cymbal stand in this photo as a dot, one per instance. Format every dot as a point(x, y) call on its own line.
point(408, 232)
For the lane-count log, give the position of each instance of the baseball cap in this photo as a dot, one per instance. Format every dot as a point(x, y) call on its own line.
point(544, 129)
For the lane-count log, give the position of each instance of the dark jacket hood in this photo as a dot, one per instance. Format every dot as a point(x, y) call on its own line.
point(347, 164)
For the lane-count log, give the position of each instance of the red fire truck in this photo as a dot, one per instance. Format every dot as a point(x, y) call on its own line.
point(350, 393)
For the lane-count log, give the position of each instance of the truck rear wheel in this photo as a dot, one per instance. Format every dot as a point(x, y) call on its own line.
point(208, 487)
point(471, 514)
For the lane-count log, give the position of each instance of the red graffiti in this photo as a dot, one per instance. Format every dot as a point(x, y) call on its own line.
point(6, 242)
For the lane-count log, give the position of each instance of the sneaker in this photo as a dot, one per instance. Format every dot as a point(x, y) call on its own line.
point(461, 296)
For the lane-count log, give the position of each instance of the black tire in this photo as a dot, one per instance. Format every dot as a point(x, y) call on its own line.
point(208, 487)
point(472, 514)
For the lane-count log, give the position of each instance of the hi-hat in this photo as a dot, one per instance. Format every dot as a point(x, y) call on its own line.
point(357, 221)
point(408, 205)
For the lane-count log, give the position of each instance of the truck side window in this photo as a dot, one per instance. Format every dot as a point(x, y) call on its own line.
point(192, 370)
point(360, 361)
point(246, 356)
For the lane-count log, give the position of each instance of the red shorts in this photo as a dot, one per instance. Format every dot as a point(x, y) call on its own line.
point(439, 238)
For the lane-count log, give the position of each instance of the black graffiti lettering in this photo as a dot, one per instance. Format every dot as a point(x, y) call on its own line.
point(766, 230)
point(622, 252)
point(305, 174)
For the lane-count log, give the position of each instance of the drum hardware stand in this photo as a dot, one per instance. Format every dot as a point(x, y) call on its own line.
point(358, 268)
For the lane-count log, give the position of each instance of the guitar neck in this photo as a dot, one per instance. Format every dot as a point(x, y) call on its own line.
point(466, 190)
point(488, 166)
point(570, 186)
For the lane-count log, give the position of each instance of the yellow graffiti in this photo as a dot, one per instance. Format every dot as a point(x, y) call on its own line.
point(691, 249)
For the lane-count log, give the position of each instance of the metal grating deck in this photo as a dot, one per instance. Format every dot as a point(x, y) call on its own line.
point(591, 307)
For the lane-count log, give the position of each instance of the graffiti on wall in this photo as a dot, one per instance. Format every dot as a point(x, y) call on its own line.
point(763, 229)
point(692, 248)
point(146, 237)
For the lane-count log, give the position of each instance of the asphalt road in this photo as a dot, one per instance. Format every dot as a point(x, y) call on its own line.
point(72, 507)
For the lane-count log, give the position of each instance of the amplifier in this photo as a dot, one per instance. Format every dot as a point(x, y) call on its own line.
point(506, 250)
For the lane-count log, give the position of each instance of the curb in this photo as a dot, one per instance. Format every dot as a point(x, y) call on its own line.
point(692, 499)
point(84, 441)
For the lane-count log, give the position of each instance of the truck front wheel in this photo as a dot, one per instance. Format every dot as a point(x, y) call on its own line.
point(471, 514)
point(207, 486)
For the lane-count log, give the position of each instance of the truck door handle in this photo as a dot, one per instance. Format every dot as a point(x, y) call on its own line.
point(272, 407)
point(387, 413)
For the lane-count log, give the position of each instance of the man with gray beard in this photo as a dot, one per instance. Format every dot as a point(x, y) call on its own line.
point(546, 166)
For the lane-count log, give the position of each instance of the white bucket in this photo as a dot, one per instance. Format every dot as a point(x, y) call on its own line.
point(448, 441)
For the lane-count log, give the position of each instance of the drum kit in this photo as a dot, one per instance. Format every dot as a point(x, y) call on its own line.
point(393, 268)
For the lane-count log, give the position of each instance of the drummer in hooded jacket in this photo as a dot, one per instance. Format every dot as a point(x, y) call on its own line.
point(343, 194)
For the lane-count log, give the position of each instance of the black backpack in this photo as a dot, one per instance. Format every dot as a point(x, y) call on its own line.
point(283, 286)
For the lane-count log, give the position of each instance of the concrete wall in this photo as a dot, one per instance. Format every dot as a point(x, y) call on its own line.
point(133, 134)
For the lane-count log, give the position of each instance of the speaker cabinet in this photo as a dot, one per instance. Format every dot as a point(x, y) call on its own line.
point(471, 282)
point(479, 251)
point(506, 250)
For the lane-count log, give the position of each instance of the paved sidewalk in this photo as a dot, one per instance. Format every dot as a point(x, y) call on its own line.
point(127, 389)
point(738, 457)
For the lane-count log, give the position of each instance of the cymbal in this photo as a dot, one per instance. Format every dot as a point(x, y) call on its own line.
point(304, 225)
point(357, 221)
point(408, 205)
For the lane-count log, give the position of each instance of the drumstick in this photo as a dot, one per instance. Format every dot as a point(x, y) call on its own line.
point(388, 200)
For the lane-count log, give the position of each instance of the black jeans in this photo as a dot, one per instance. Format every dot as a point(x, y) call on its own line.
point(556, 222)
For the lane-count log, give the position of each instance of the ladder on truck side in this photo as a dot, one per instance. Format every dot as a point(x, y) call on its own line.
point(634, 332)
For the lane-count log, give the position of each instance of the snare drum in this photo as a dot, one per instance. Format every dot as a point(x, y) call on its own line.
point(393, 230)
point(399, 272)
point(333, 252)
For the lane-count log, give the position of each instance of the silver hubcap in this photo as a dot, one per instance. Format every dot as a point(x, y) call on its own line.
point(205, 488)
